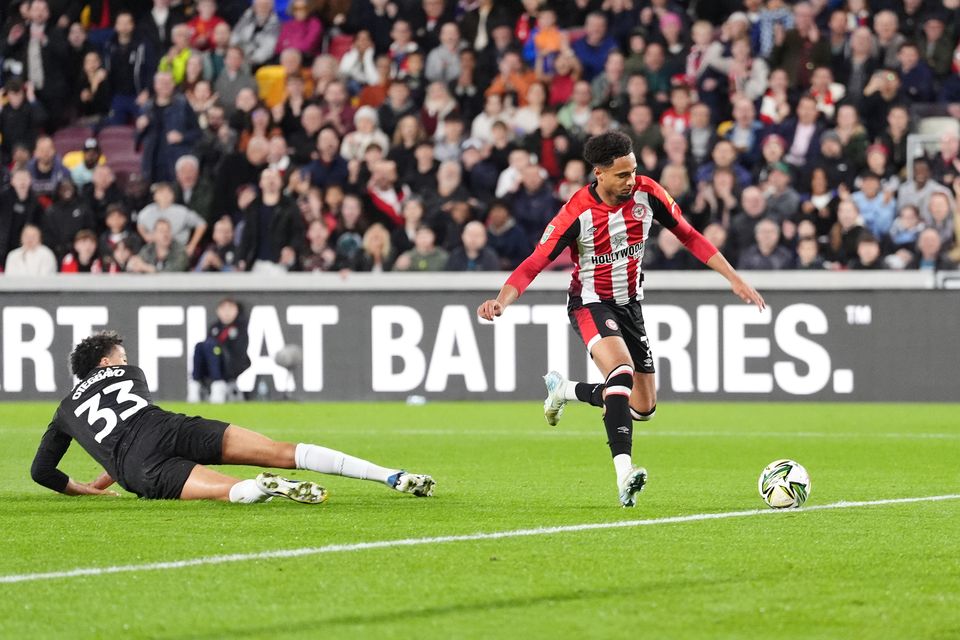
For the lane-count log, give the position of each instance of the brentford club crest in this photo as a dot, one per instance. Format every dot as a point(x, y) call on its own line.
point(640, 211)
point(611, 324)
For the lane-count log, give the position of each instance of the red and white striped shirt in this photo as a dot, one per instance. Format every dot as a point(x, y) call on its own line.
point(607, 242)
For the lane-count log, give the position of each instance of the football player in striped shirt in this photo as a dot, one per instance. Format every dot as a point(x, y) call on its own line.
point(605, 226)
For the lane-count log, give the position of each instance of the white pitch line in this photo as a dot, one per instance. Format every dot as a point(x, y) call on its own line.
point(413, 542)
point(653, 433)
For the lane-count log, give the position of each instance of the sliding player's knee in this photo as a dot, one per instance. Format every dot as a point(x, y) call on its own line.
point(620, 381)
point(643, 416)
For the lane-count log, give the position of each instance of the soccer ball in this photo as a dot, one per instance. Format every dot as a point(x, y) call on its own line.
point(784, 484)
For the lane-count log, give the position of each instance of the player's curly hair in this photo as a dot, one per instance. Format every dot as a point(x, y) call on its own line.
point(87, 355)
point(601, 150)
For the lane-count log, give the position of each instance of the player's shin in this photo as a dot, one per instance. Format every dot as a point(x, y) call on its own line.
point(617, 419)
point(247, 492)
point(323, 460)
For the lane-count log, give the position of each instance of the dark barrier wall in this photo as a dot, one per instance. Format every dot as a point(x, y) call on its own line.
point(893, 345)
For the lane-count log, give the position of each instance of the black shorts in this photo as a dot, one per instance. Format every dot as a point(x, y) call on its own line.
point(164, 451)
point(604, 319)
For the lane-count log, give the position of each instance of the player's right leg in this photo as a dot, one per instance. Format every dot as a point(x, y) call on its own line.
point(243, 446)
point(613, 358)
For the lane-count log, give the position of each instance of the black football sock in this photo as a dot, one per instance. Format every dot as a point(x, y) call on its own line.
point(590, 393)
point(616, 417)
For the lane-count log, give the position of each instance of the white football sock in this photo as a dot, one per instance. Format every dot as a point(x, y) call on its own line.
point(247, 492)
point(570, 391)
point(624, 465)
point(322, 460)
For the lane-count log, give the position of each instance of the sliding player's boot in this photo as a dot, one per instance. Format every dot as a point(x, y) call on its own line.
point(631, 486)
point(553, 405)
point(302, 491)
point(416, 484)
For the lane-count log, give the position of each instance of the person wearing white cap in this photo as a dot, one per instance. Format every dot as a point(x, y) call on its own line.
point(367, 133)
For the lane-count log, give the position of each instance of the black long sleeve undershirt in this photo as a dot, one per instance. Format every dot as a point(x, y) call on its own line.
point(53, 446)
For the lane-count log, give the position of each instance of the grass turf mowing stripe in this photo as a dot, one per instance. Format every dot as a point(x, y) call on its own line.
point(410, 542)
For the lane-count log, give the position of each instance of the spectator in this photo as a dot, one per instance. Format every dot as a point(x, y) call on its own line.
point(221, 254)
point(186, 226)
point(376, 254)
point(425, 255)
point(82, 172)
point(366, 133)
point(534, 204)
point(894, 138)
point(930, 253)
point(18, 207)
point(204, 24)
point(273, 232)
point(156, 27)
point(46, 170)
point(474, 254)
point(257, 32)
point(888, 39)
point(336, 110)
point(743, 225)
point(234, 78)
point(31, 258)
point(94, 93)
point(766, 254)
point(191, 190)
point(101, 192)
point(593, 48)
point(905, 229)
point(214, 58)
point(21, 118)
point(220, 359)
point(808, 255)
point(723, 156)
point(385, 194)
point(744, 131)
point(319, 255)
point(505, 237)
point(880, 96)
point(120, 258)
point(939, 216)
point(117, 231)
point(877, 208)
point(304, 32)
point(174, 61)
point(846, 232)
point(859, 64)
point(83, 258)
point(161, 254)
point(397, 105)
point(238, 170)
point(936, 45)
point(65, 219)
point(918, 191)
point(915, 76)
point(945, 165)
point(667, 254)
point(130, 66)
point(782, 200)
point(868, 254)
point(40, 49)
point(358, 65)
point(167, 129)
point(443, 63)
point(803, 133)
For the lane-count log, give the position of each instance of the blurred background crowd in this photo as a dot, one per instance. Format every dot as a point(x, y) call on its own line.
point(427, 135)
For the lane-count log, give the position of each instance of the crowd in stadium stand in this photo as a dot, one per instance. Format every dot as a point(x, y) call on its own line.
point(430, 135)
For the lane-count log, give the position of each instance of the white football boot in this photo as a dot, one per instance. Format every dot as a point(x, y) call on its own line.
point(631, 486)
point(417, 484)
point(302, 491)
point(556, 397)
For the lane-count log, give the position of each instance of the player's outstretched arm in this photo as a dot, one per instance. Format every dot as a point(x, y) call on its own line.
point(75, 488)
point(491, 309)
point(741, 288)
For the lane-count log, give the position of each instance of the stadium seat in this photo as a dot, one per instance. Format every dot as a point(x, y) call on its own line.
point(117, 138)
point(70, 139)
point(339, 45)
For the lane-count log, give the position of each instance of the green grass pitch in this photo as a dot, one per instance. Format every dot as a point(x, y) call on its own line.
point(884, 571)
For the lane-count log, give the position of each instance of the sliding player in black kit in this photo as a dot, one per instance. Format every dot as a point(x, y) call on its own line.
point(162, 455)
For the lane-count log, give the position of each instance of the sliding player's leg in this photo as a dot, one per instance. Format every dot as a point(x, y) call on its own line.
point(243, 446)
point(204, 483)
point(613, 358)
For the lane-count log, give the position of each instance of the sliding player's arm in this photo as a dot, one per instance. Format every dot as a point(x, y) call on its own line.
point(668, 214)
point(558, 235)
point(44, 471)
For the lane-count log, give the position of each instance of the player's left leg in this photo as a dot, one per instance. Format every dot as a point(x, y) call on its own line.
point(243, 446)
point(204, 483)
